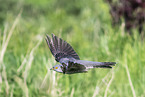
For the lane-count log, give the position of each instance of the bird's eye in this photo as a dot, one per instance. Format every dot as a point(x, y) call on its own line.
point(56, 67)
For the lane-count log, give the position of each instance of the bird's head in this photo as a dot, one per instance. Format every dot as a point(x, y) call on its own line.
point(57, 68)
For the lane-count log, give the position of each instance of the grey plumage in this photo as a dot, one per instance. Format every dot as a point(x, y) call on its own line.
point(69, 59)
point(60, 49)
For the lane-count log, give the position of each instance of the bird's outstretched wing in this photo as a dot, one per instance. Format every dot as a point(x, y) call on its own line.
point(60, 48)
point(74, 68)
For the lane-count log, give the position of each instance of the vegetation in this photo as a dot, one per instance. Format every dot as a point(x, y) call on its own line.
point(132, 11)
point(25, 58)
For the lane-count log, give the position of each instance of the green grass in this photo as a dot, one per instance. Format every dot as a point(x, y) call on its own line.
point(86, 25)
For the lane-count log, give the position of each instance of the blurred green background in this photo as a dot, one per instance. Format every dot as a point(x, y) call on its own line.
point(25, 58)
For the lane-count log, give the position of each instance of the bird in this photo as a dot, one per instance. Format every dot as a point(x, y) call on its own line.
point(69, 60)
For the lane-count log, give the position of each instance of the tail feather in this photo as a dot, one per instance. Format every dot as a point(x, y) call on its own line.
point(91, 64)
point(104, 65)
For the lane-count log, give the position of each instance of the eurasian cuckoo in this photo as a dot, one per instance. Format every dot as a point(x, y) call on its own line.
point(69, 59)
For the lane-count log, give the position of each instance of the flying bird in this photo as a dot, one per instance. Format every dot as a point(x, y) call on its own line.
point(69, 60)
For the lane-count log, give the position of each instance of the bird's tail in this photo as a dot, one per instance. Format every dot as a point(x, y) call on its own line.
point(91, 64)
point(104, 64)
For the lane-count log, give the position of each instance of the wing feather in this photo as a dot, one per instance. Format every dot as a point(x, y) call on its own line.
point(60, 48)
